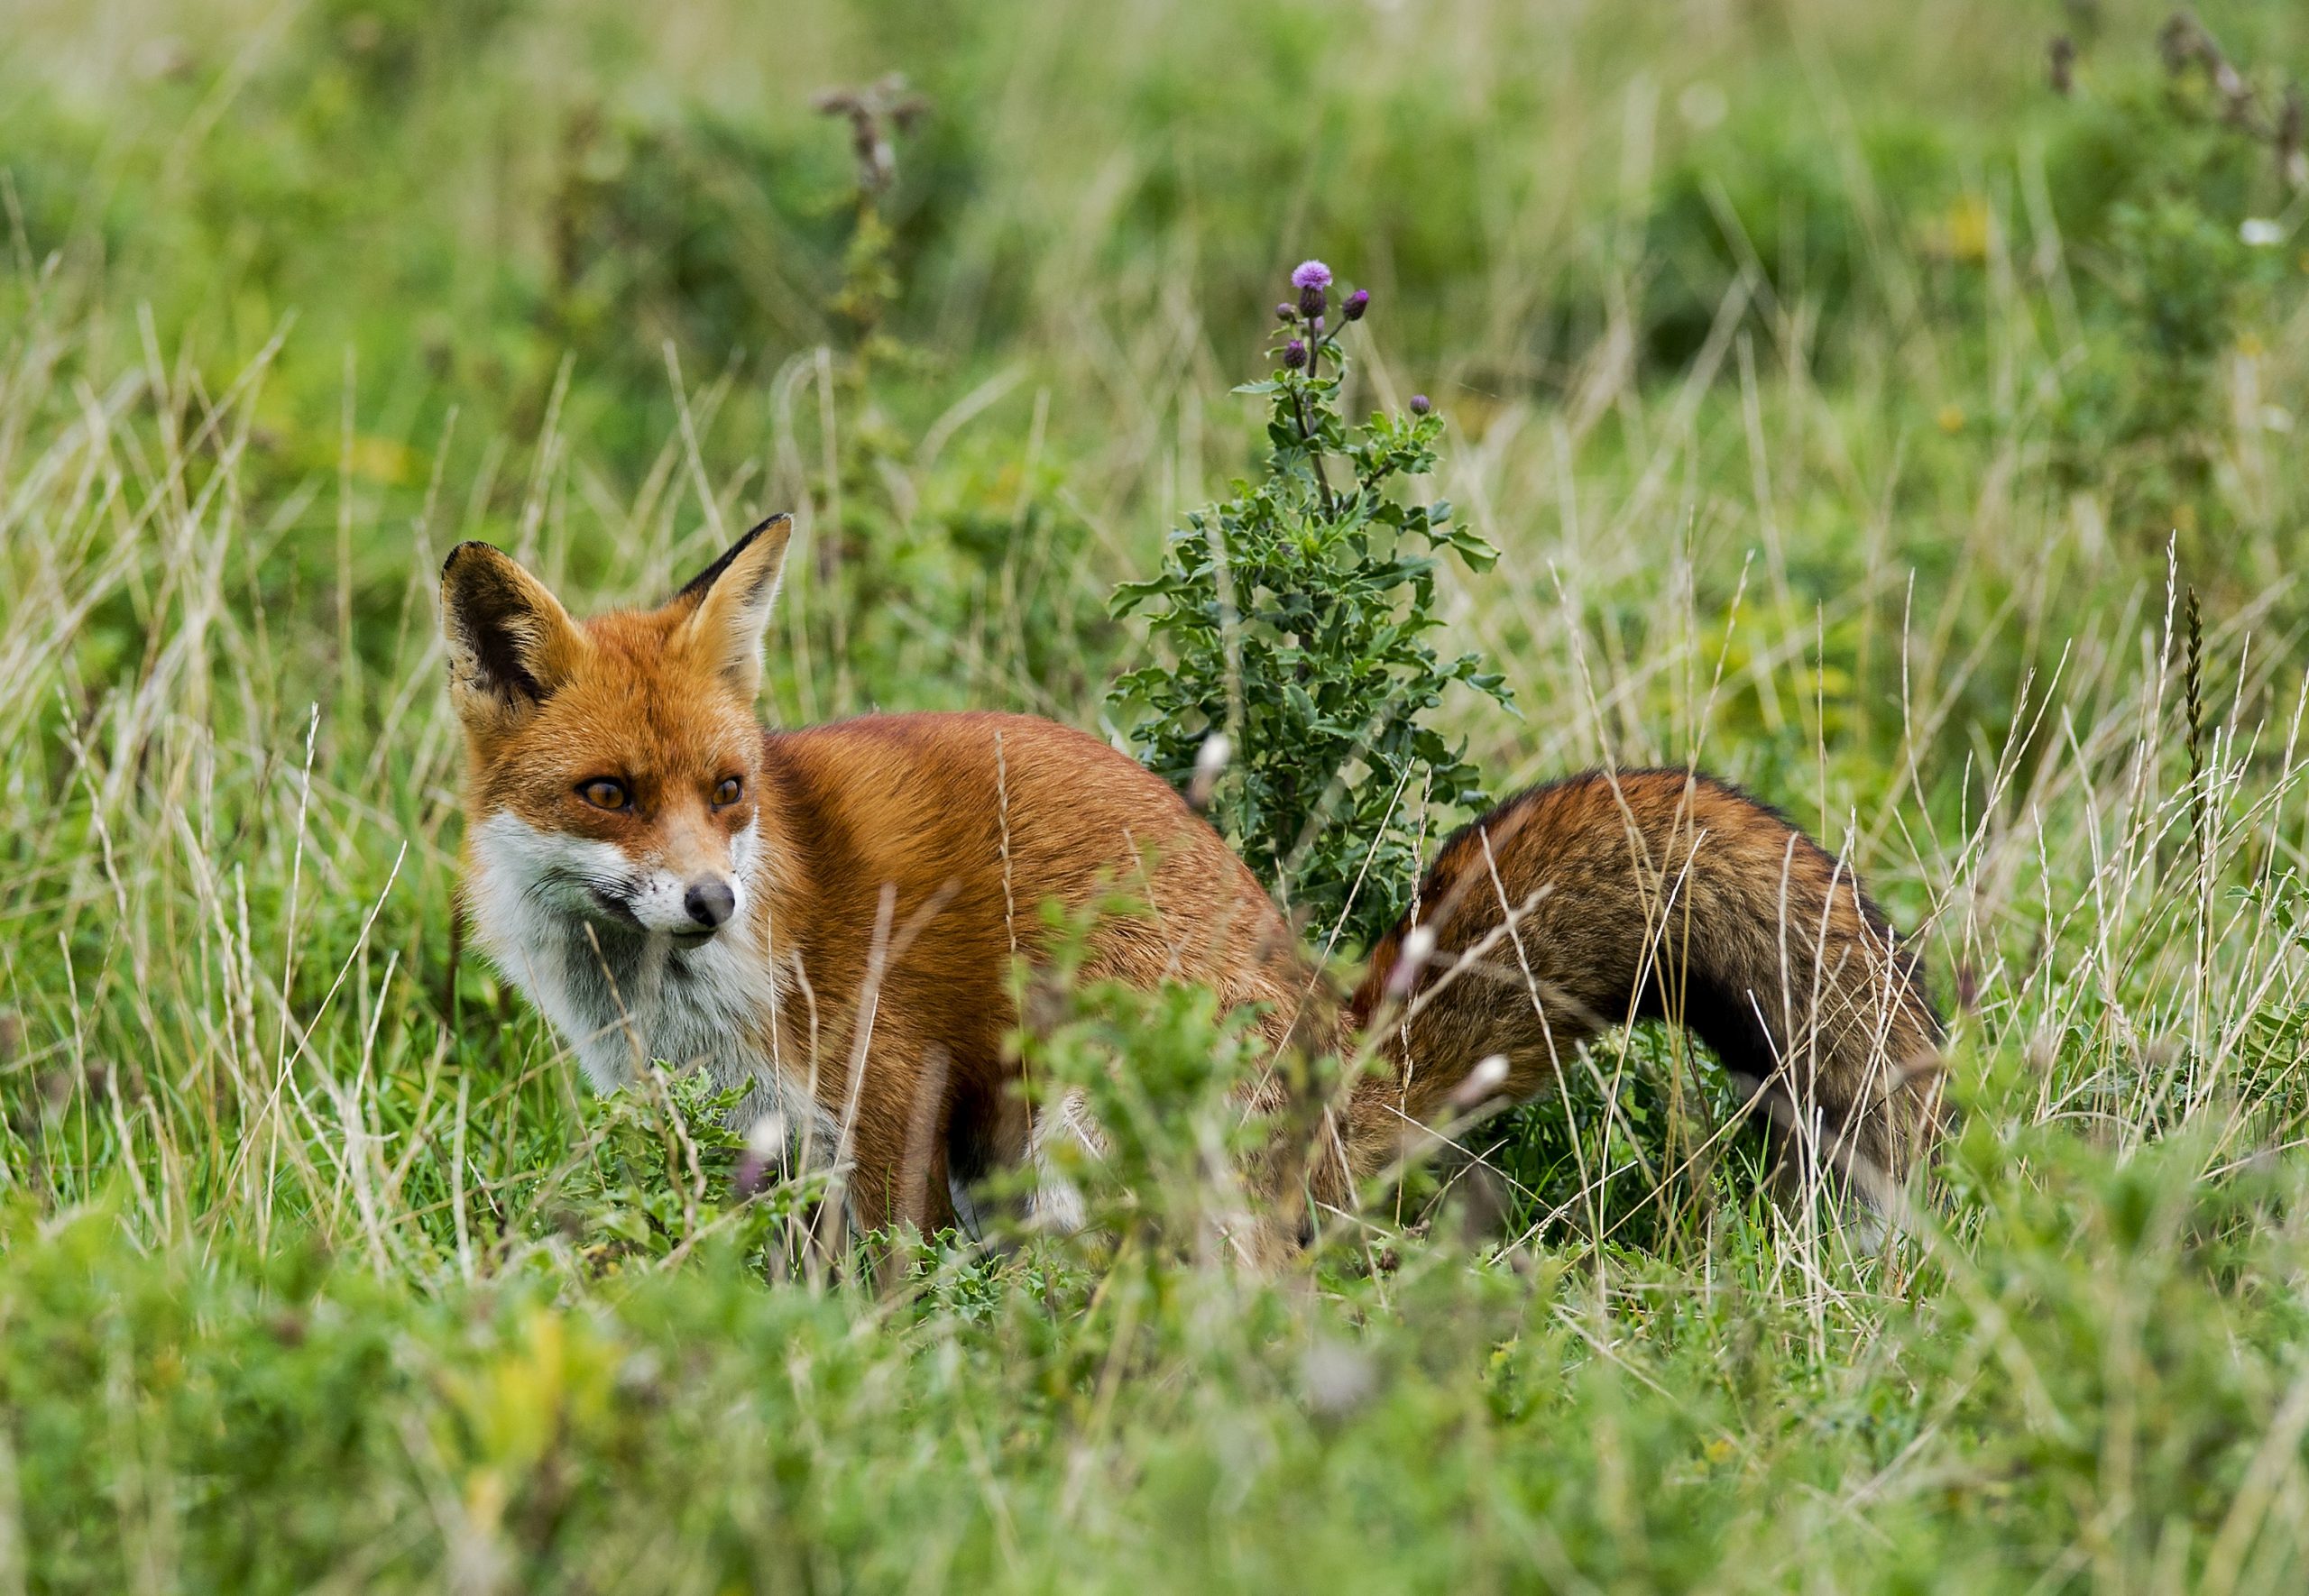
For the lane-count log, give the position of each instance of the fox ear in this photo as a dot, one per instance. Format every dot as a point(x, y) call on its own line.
point(511, 642)
point(732, 597)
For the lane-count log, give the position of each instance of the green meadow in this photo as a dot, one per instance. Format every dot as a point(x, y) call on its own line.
point(1896, 409)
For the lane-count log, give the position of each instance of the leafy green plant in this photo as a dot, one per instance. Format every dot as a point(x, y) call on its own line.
point(668, 1162)
point(1300, 700)
point(1157, 1072)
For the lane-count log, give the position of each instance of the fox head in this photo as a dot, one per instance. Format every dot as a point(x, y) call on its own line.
point(614, 765)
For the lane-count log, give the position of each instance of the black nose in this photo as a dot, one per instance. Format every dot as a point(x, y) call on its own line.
point(710, 902)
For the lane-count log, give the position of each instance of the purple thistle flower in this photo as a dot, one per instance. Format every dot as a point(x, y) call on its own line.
point(1419, 405)
point(1294, 355)
point(1357, 304)
point(765, 1142)
point(1311, 274)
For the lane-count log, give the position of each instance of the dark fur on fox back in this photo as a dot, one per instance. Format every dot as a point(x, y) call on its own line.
point(1612, 896)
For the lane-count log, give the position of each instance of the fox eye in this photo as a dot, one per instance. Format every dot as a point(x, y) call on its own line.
point(604, 793)
point(728, 792)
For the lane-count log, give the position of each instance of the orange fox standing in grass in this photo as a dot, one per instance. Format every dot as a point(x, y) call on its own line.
point(830, 914)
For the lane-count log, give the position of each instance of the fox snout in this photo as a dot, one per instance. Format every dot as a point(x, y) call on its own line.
point(710, 902)
point(691, 906)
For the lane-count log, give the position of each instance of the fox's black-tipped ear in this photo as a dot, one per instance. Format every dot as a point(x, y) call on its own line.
point(733, 598)
point(511, 643)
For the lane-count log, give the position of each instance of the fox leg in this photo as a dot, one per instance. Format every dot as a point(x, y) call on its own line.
point(895, 1140)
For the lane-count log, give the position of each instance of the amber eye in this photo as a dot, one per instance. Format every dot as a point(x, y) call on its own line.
point(603, 792)
point(728, 792)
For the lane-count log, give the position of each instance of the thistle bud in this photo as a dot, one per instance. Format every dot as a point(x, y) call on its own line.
point(1419, 405)
point(1356, 302)
point(1411, 959)
point(1338, 1378)
point(1287, 312)
point(766, 1143)
point(1294, 355)
point(1487, 1076)
point(1209, 764)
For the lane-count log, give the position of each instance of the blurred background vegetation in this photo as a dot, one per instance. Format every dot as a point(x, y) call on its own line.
point(556, 224)
point(1896, 408)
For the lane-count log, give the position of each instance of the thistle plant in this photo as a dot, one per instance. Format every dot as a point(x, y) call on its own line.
point(879, 114)
point(2185, 196)
point(1298, 706)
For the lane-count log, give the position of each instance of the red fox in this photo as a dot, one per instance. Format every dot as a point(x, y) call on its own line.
point(830, 914)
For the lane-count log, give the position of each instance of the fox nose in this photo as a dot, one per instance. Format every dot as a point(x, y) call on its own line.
point(710, 902)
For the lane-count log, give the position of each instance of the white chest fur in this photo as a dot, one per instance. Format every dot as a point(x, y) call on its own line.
point(619, 996)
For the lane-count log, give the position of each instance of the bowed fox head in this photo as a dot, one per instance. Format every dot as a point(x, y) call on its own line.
point(614, 765)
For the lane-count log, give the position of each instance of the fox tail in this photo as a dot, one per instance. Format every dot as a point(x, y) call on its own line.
point(1614, 896)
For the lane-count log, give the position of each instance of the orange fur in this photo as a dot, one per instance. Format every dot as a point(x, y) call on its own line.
point(888, 868)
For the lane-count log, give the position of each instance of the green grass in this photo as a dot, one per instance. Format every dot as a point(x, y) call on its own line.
point(1852, 413)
